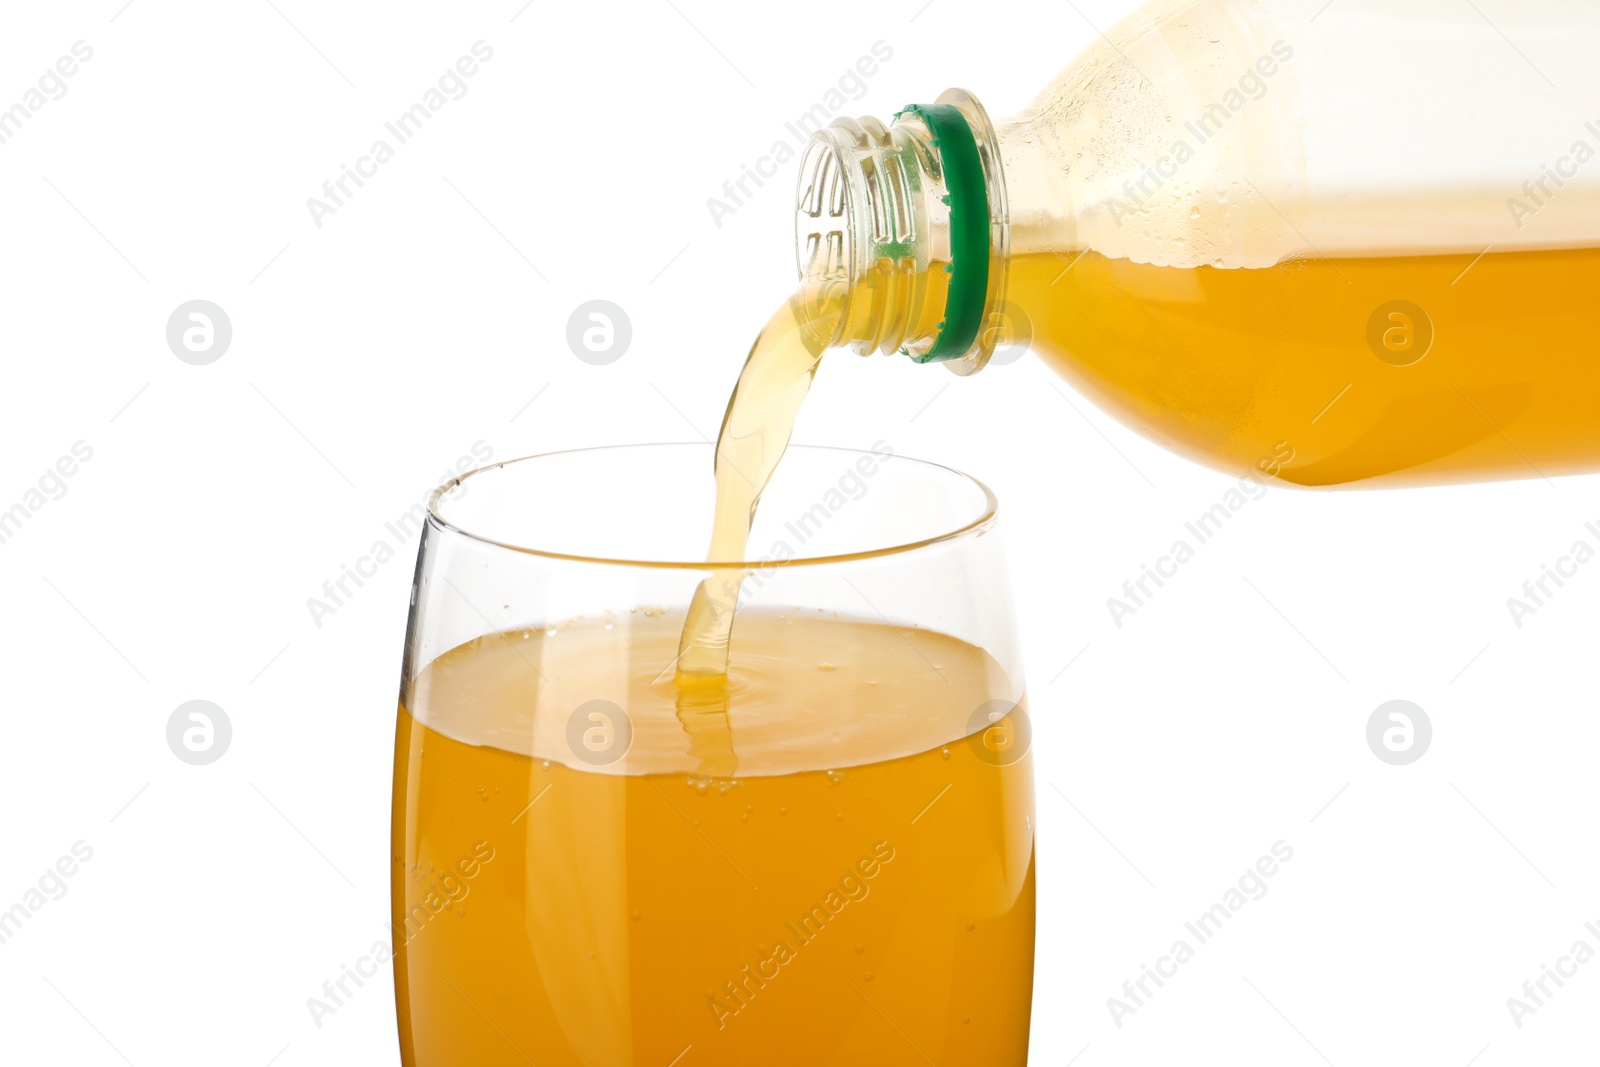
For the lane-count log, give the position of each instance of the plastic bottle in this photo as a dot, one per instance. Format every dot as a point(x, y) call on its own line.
point(1347, 243)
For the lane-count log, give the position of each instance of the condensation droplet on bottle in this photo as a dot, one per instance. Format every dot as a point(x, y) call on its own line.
point(867, 976)
point(860, 948)
point(826, 667)
point(634, 915)
point(971, 926)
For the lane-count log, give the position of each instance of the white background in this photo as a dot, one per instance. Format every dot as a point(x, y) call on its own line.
point(429, 313)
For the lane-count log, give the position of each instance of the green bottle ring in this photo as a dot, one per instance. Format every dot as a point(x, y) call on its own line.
point(969, 230)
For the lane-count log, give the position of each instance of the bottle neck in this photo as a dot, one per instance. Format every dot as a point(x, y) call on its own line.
point(909, 219)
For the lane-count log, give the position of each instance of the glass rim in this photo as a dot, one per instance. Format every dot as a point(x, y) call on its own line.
point(985, 520)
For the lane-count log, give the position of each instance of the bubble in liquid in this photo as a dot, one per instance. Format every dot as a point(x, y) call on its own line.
point(826, 667)
point(860, 948)
point(838, 816)
point(867, 976)
point(945, 753)
point(971, 926)
point(783, 811)
point(634, 915)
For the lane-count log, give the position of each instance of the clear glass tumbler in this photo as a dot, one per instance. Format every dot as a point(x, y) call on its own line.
point(828, 862)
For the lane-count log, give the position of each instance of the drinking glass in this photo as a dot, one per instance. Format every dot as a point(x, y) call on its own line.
point(826, 861)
